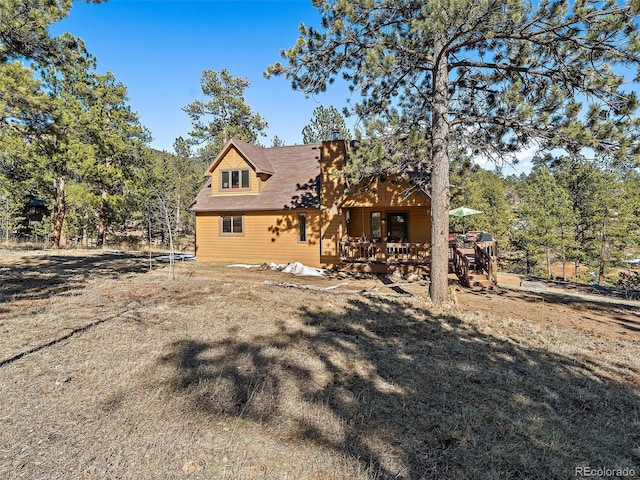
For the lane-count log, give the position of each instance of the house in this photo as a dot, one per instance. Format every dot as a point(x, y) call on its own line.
point(286, 204)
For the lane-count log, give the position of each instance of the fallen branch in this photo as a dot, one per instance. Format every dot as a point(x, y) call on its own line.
point(333, 287)
point(55, 341)
point(304, 287)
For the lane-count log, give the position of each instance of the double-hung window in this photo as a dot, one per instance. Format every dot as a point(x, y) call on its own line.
point(232, 225)
point(234, 179)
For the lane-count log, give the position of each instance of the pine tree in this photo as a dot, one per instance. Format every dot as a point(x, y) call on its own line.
point(277, 142)
point(547, 220)
point(487, 76)
point(24, 33)
point(631, 201)
point(117, 139)
point(225, 115)
point(476, 188)
point(61, 147)
point(604, 210)
point(324, 125)
point(35, 114)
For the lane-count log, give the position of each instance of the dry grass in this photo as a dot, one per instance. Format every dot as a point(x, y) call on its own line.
point(216, 375)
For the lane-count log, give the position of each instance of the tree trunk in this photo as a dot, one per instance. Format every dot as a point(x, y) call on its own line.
point(149, 232)
point(85, 227)
point(102, 228)
point(167, 219)
point(439, 290)
point(172, 253)
point(548, 253)
point(178, 229)
point(603, 253)
point(59, 209)
point(103, 211)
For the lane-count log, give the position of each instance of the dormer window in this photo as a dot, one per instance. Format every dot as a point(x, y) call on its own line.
point(232, 179)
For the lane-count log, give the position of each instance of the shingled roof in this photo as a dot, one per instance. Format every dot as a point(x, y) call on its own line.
point(293, 183)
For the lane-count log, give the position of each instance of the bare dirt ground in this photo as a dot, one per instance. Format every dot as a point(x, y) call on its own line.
point(584, 308)
point(110, 370)
point(581, 308)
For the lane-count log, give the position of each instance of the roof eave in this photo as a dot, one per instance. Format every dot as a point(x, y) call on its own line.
point(232, 143)
point(254, 209)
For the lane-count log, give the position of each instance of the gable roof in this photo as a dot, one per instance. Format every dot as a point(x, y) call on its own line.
point(294, 180)
point(253, 155)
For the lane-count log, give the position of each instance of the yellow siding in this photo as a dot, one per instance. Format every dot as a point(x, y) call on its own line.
point(268, 237)
point(332, 189)
point(387, 193)
point(420, 225)
point(231, 161)
point(387, 197)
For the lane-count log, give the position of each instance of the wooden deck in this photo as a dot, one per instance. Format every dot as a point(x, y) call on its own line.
point(384, 257)
point(385, 252)
point(474, 264)
point(384, 268)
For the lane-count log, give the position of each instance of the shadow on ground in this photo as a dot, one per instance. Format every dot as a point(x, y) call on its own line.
point(415, 396)
point(41, 276)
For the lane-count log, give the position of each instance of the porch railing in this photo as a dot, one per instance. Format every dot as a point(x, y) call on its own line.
point(482, 259)
point(486, 255)
point(389, 252)
point(460, 263)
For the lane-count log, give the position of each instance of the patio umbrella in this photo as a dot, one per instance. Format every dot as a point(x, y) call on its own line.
point(462, 212)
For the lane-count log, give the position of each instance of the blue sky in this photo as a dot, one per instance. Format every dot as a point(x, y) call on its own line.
point(159, 48)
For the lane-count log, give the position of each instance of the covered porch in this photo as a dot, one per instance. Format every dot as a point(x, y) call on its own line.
point(380, 239)
point(386, 252)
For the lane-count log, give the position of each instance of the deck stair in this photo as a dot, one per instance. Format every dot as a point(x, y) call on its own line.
point(476, 265)
point(481, 282)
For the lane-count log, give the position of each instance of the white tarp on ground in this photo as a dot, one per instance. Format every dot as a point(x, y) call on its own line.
point(299, 269)
point(295, 268)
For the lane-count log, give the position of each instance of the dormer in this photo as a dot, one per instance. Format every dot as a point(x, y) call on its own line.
point(239, 169)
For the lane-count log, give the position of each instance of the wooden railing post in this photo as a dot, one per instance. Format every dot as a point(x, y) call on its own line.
point(460, 265)
point(486, 258)
point(403, 252)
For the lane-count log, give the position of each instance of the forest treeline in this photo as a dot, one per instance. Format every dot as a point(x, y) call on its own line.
point(76, 167)
point(581, 213)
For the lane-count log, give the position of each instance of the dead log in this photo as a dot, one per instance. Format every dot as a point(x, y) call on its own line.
point(303, 286)
point(332, 289)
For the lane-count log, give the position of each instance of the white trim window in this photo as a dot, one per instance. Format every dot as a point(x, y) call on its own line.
point(234, 179)
point(232, 224)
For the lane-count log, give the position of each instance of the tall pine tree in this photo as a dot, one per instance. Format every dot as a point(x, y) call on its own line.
point(325, 123)
point(224, 115)
point(547, 221)
point(489, 76)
